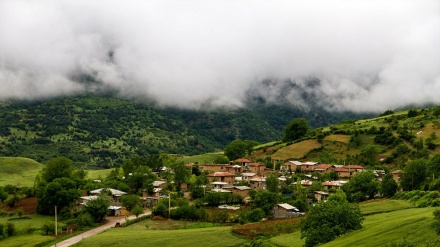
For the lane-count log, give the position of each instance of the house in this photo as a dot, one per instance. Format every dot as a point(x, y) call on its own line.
point(303, 167)
point(219, 185)
point(348, 171)
point(396, 175)
point(234, 169)
point(258, 182)
point(242, 162)
point(333, 184)
point(113, 210)
point(324, 168)
point(246, 176)
point(221, 177)
point(115, 195)
point(241, 190)
point(285, 210)
point(321, 195)
point(257, 168)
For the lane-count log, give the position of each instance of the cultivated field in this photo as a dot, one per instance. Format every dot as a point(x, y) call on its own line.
point(296, 150)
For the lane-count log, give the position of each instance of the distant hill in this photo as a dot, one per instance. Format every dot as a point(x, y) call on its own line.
point(18, 171)
point(395, 137)
point(102, 131)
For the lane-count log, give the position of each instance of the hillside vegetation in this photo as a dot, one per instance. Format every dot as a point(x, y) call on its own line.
point(18, 171)
point(102, 132)
point(391, 139)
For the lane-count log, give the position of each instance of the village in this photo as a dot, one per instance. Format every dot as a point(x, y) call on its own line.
point(242, 176)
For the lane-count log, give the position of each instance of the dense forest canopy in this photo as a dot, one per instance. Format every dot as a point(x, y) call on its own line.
point(102, 131)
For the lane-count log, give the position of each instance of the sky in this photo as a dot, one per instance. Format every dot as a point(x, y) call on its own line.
point(369, 56)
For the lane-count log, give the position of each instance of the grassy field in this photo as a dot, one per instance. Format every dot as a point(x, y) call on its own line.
point(338, 138)
point(296, 150)
point(387, 221)
point(138, 235)
point(26, 240)
point(96, 174)
point(207, 158)
point(18, 171)
point(36, 221)
point(383, 206)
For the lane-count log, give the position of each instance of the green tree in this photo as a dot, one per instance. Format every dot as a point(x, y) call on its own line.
point(60, 167)
point(296, 129)
point(221, 160)
point(361, 187)
point(389, 186)
point(273, 183)
point(368, 156)
point(98, 208)
point(60, 192)
point(130, 201)
point(414, 175)
point(181, 172)
point(328, 220)
point(239, 148)
point(137, 210)
point(254, 215)
point(265, 200)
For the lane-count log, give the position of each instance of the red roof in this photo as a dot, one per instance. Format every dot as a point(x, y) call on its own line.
point(242, 160)
point(325, 167)
point(221, 174)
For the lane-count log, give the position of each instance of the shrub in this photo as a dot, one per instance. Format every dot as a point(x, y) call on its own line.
point(254, 215)
point(220, 216)
point(48, 228)
point(10, 229)
point(2, 230)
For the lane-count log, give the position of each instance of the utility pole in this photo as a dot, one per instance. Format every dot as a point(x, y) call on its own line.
point(169, 205)
point(56, 221)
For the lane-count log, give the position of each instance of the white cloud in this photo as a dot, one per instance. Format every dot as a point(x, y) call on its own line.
point(369, 55)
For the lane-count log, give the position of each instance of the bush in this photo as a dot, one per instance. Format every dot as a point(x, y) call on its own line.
point(254, 215)
point(2, 230)
point(220, 216)
point(48, 228)
point(10, 229)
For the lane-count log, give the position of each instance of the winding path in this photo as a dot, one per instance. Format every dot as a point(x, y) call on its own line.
point(111, 223)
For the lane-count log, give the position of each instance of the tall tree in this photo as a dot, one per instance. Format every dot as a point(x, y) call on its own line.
point(361, 187)
point(60, 167)
point(328, 220)
point(272, 183)
point(98, 208)
point(389, 186)
point(414, 175)
point(295, 130)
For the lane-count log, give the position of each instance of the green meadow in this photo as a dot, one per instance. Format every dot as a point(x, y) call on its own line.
point(18, 171)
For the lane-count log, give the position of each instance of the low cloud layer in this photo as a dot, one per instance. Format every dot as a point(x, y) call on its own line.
point(369, 56)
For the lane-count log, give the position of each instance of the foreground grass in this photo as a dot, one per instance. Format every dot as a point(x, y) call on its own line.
point(36, 221)
point(414, 224)
point(18, 171)
point(383, 206)
point(138, 235)
point(26, 240)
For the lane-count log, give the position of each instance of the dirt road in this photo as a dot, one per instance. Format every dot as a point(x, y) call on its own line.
point(94, 231)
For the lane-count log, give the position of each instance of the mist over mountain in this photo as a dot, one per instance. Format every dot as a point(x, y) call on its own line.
point(360, 56)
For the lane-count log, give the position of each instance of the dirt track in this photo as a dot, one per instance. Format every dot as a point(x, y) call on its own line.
point(112, 221)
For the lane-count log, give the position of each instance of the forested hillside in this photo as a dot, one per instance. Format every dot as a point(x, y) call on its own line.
point(102, 131)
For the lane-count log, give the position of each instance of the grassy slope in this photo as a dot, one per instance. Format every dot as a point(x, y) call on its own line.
point(137, 235)
point(18, 171)
point(389, 221)
point(26, 240)
point(207, 158)
point(96, 174)
point(36, 221)
point(296, 150)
